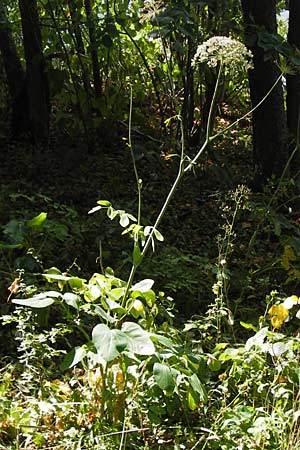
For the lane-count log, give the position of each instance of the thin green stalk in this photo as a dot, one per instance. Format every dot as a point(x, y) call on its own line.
point(249, 112)
point(137, 178)
point(181, 172)
point(184, 169)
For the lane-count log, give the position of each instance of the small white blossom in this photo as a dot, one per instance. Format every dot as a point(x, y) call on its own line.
point(230, 52)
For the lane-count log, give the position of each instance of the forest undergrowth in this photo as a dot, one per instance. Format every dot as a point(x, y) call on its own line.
point(203, 352)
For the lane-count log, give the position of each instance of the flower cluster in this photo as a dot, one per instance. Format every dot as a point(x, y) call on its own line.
point(224, 49)
point(279, 313)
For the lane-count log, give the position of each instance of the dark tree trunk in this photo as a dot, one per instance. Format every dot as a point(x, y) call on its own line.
point(37, 82)
point(93, 49)
point(269, 120)
point(74, 8)
point(15, 78)
point(293, 81)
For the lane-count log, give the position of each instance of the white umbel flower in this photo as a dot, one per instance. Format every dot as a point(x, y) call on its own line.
point(230, 52)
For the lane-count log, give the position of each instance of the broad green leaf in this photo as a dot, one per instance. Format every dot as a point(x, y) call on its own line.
point(116, 293)
point(114, 306)
point(213, 363)
point(92, 294)
point(163, 340)
point(73, 357)
point(150, 298)
point(137, 309)
point(72, 299)
point(37, 221)
point(163, 377)
point(198, 387)
point(143, 286)
point(139, 341)
point(193, 399)
point(55, 276)
point(76, 282)
point(257, 340)
point(5, 246)
point(34, 302)
point(97, 310)
point(108, 342)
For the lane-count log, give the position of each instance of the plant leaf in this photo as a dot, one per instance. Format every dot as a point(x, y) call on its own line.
point(34, 302)
point(164, 377)
point(37, 221)
point(143, 286)
point(72, 358)
point(139, 341)
point(108, 342)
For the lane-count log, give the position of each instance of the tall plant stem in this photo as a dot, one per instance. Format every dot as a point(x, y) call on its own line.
point(182, 170)
point(137, 178)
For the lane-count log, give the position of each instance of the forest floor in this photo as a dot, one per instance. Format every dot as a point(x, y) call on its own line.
point(72, 173)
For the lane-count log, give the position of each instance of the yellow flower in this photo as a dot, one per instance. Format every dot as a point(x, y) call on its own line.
point(278, 315)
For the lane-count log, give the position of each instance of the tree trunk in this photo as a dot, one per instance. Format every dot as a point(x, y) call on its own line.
point(269, 120)
point(79, 46)
point(94, 49)
point(37, 83)
point(293, 81)
point(15, 78)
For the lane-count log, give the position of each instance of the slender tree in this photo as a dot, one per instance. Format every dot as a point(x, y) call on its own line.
point(293, 81)
point(37, 82)
point(269, 119)
point(15, 77)
point(93, 48)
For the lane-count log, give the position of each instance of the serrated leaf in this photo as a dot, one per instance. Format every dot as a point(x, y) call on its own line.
point(143, 286)
point(163, 377)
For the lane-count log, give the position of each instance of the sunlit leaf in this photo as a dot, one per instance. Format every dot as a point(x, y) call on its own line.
point(163, 377)
point(73, 357)
point(109, 343)
point(34, 302)
point(143, 286)
point(37, 221)
point(72, 299)
point(139, 341)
